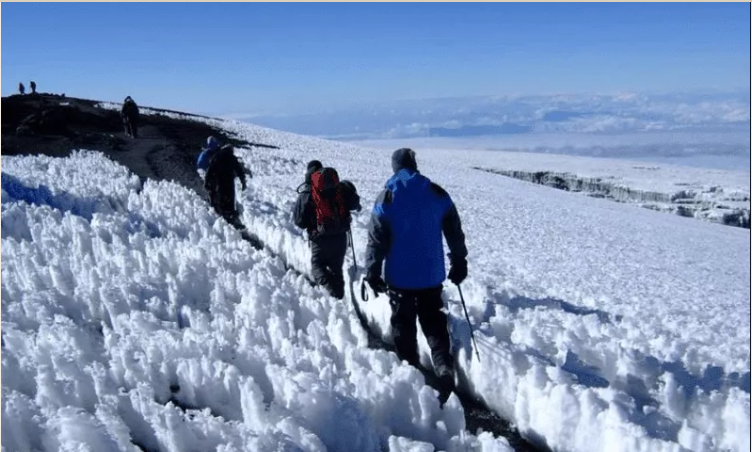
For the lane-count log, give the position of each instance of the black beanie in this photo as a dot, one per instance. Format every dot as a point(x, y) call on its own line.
point(404, 158)
point(313, 166)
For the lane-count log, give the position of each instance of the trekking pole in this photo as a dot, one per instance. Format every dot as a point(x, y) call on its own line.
point(472, 334)
point(363, 291)
point(352, 245)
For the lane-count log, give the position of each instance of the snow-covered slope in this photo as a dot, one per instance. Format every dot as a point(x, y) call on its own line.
point(118, 299)
point(600, 326)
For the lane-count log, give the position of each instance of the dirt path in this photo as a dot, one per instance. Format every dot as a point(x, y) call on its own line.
point(166, 148)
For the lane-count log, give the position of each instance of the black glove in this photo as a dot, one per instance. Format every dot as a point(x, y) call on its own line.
point(377, 284)
point(458, 270)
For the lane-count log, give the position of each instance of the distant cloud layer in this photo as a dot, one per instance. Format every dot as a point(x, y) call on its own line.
point(515, 115)
point(699, 129)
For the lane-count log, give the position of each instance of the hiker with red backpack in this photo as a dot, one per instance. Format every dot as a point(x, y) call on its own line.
point(405, 234)
point(323, 210)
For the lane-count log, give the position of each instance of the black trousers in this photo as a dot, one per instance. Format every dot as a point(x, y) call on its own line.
point(426, 305)
point(131, 126)
point(327, 258)
point(222, 198)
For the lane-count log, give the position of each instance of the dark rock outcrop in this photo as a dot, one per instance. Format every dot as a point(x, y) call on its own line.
point(53, 125)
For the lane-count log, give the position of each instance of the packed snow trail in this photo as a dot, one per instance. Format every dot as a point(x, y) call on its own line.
point(478, 416)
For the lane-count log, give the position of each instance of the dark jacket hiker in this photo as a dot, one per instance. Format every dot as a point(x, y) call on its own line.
point(323, 210)
point(129, 113)
point(408, 220)
point(219, 182)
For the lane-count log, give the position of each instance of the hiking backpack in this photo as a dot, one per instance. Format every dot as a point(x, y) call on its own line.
point(332, 213)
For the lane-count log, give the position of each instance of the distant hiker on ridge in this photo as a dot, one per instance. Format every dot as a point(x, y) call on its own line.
point(223, 168)
point(21, 88)
point(33, 86)
point(323, 209)
point(406, 228)
point(129, 113)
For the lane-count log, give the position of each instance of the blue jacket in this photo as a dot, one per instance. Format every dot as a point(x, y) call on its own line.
point(406, 228)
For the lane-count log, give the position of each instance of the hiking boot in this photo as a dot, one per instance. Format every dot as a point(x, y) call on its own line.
point(333, 287)
point(446, 383)
point(234, 219)
point(336, 292)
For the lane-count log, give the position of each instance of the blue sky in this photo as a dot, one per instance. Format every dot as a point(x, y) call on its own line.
point(293, 58)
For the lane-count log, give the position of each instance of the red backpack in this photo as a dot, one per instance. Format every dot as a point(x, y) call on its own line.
point(332, 214)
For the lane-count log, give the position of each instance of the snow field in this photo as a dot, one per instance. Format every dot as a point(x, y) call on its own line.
point(664, 178)
point(600, 326)
point(565, 294)
point(152, 322)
